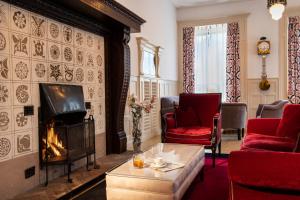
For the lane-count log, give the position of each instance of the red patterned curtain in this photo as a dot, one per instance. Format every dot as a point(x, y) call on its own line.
point(233, 69)
point(294, 60)
point(188, 59)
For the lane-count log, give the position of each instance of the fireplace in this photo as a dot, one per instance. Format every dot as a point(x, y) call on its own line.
point(65, 135)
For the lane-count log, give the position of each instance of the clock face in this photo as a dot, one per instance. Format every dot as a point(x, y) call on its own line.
point(263, 48)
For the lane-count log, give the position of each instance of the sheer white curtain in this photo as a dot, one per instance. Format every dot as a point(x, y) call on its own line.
point(210, 59)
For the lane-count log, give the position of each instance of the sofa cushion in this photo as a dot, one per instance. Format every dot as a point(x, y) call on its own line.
point(186, 118)
point(289, 125)
point(267, 142)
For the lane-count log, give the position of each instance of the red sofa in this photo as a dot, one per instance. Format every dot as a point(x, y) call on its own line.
point(268, 165)
point(197, 120)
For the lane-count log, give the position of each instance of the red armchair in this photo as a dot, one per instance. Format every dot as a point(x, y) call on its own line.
point(197, 120)
point(264, 175)
point(268, 165)
point(274, 134)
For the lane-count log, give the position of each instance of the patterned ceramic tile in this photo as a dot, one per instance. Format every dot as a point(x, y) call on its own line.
point(4, 41)
point(38, 26)
point(6, 147)
point(90, 92)
point(101, 91)
point(5, 94)
point(23, 143)
point(80, 38)
point(79, 75)
point(21, 69)
point(67, 34)
point(68, 54)
point(38, 49)
point(20, 45)
point(54, 51)
point(22, 93)
point(4, 15)
point(21, 122)
point(90, 43)
point(100, 76)
point(99, 60)
point(56, 72)
point(79, 57)
point(54, 31)
point(68, 73)
point(90, 60)
point(91, 75)
point(5, 68)
point(5, 120)
point(99, 124)
point(19, 20)
point(39, 71)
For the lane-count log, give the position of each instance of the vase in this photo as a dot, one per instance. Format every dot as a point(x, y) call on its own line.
point(136, 133)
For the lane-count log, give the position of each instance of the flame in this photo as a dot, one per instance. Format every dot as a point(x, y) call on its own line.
point(53, 142)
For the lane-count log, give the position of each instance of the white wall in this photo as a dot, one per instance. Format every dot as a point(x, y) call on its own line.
point(160, 29)
point(259, 24)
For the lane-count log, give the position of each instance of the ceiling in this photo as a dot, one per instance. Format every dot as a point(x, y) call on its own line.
point(187, 3)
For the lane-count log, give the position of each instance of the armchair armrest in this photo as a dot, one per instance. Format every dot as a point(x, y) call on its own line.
point(170, 121)
point(217, 126)
point(266, 126)
point(266, 169)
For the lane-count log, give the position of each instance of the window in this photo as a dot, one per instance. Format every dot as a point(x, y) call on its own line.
point(210, 59)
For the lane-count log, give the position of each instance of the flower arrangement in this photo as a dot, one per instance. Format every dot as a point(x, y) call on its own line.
point(136, 109)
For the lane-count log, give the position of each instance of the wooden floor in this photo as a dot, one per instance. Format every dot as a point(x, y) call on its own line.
point(58, 187)
point(229, 143)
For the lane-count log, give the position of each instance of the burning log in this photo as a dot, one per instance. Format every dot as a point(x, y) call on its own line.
point(53, 145)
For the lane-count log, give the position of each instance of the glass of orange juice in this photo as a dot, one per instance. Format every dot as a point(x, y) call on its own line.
point(138, 160)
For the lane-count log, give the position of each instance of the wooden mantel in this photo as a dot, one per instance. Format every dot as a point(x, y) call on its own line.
point(115, 23)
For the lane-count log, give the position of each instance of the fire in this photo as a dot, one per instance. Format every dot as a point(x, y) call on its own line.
point(54, 144)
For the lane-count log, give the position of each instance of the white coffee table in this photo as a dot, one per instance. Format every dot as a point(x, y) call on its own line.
point(128, 182)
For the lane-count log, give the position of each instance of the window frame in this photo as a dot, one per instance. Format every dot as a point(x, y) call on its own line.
point(242, 20)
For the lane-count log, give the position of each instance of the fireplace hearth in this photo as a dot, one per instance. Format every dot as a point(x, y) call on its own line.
point(65, 135)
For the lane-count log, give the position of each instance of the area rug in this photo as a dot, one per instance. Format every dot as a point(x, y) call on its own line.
point(214, 187)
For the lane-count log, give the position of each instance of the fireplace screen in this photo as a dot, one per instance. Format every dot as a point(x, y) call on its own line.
point(64, 144)
point(67, 142)
point(64, 135)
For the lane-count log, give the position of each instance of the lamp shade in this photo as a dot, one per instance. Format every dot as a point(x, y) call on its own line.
point(276, 8)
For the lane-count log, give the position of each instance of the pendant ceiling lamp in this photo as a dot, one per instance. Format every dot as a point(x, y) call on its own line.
point(276, 8)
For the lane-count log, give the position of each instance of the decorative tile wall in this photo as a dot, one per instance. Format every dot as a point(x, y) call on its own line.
point(35, 49)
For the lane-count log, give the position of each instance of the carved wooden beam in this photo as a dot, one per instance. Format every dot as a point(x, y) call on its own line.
point(117, 12)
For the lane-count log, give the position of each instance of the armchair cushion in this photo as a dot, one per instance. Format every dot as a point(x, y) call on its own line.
point(201, 133)
point(267, 142)
point(186, 118)
point(289, 125)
